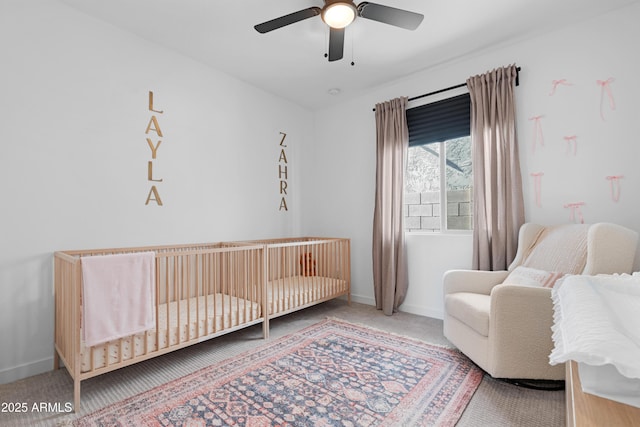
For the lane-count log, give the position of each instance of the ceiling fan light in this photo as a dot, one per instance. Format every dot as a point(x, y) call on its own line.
point(339, 15)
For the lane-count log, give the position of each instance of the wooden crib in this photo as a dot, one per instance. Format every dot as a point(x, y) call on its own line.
point(305, 271)
point(202, 291)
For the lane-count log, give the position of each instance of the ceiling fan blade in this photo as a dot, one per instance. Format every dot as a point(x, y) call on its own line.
point(390, 15)
point(289, 19)
point(336, 43)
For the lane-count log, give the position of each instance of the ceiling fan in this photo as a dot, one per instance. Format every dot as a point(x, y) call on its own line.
point(339, 14)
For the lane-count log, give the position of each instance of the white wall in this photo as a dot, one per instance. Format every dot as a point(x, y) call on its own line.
point(429, 257)
point(73, 167)
point(592, 50)
point(73, 172)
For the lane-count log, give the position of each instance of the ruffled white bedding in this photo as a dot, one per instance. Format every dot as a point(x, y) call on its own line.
point(222, 312)
point(597, 323)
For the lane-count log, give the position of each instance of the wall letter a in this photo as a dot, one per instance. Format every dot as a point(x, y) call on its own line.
point(156, 196)
point(283, 156)
point(156, 127)
point(283, 205)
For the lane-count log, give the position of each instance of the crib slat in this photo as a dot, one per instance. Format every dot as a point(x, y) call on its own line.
point(197, 295)
point(214, 290)
point(203, 291)
point(175, 298)
point(167, 305)
point(186, 293)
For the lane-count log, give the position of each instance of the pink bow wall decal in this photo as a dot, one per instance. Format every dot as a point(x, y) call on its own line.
point(576, 212)
point(605, 88)
point(537, 187)
point(556, 83)
point(572, 141)
point(537, 131)
point(614, 183)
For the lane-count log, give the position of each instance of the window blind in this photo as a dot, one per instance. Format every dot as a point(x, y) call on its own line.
point(440, 121)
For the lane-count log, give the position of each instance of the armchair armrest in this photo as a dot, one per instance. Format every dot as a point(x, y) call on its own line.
point(520, 330)
point(477, 281)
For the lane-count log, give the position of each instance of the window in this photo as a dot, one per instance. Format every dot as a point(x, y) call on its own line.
point(439, 177)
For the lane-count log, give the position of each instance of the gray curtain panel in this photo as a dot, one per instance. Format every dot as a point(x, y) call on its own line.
point(389, 256)
point(497, 182)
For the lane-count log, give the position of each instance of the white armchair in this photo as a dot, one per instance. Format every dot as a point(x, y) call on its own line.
point(502, 319)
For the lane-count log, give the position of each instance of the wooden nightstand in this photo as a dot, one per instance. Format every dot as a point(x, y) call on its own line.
point(584, 409)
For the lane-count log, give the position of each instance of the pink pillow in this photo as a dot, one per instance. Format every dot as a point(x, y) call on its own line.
point(527, 276)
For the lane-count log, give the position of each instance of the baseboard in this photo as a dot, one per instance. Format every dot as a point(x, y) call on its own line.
point(407, 308)
point(30, 369)
point(363, 300)
point(422, 311)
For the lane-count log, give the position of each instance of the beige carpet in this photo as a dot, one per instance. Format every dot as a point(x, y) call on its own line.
point(494, 404)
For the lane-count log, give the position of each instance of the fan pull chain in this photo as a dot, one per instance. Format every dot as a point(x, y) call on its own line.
point(352, 61)
point(326, 42)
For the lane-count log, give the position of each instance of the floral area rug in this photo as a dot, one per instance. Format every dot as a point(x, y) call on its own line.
point(333, 373)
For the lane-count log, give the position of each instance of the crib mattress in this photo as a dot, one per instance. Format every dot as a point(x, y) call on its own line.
point(222, 312)
point(295, 291)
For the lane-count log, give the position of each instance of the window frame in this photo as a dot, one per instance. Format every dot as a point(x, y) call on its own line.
point(443, 179)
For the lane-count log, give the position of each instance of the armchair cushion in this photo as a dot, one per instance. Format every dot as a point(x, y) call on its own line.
point(471, 309)
point(525, 276)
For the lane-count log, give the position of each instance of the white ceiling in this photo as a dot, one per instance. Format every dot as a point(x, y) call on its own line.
point(290, 61)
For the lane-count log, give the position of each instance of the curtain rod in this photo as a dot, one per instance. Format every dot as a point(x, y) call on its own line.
point(435, 92)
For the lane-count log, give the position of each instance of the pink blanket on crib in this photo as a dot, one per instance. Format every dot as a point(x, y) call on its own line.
point(118, 296)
